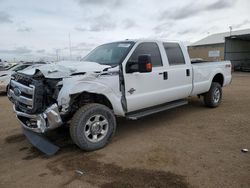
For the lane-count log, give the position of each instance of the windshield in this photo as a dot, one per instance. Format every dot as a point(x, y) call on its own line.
point(110, 54)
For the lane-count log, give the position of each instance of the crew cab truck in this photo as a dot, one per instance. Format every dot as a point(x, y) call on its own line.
point(131, 78)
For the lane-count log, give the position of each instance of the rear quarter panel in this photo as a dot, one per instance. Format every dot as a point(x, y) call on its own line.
point(203, 74)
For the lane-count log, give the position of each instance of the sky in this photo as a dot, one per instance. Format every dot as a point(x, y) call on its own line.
point(32, 30)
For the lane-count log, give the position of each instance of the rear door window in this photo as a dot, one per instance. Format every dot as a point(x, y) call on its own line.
point(174, 53)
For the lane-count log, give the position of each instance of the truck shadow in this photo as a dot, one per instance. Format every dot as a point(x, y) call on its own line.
point(71, 157)
point(125, 128)
point(3, 94)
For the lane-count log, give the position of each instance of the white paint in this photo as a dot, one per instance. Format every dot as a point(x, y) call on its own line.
point(107, 85)
point(66, 68)
point(204, 73)
point(151, 89)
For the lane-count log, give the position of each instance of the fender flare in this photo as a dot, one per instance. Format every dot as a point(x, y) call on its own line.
point(217, 72)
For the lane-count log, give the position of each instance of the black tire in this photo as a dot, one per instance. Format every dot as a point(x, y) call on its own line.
point(80, 126)
point(213, 97)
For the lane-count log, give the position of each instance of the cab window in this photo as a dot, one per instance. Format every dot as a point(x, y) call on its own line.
point(174, 53)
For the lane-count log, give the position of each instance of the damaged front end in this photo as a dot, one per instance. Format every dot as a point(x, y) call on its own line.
point(34, 98)
point(47, 97)
point(40, 123)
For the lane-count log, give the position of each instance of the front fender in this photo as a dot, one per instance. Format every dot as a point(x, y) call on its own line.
point(76, 85)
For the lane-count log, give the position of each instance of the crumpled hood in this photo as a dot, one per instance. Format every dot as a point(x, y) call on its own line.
point(65, 68)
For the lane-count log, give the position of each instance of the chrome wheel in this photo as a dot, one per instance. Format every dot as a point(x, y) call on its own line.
point(96, 128)
point(216, 95)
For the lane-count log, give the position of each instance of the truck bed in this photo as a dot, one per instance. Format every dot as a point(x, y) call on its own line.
point(205, 71)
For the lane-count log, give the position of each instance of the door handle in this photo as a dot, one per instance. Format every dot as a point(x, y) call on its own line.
point(187, 72)
point(165, 75)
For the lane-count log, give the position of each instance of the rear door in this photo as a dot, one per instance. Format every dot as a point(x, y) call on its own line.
point(179, 83)
point(144, 90)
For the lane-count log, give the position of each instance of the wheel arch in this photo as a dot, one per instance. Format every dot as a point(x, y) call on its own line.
point(94, 91)
point(86, 97)
point(218, 78)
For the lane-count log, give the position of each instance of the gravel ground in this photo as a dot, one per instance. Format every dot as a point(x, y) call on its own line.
point(190, 146)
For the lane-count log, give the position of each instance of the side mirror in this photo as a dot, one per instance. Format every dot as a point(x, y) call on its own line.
point(144, 63)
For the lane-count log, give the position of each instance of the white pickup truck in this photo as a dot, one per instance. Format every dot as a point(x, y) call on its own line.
point(131, 78)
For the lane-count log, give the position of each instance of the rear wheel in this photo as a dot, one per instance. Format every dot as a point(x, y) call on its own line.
point(213, 97)
point(92, 126)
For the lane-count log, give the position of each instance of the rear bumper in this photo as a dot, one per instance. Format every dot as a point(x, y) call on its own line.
point(228, 80)
point(40, 123)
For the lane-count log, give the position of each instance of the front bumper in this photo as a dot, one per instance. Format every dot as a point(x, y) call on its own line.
point(40, 142)
point(40, 123)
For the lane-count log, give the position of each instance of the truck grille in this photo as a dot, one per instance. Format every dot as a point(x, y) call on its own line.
point(27, 93)
point(22, 94)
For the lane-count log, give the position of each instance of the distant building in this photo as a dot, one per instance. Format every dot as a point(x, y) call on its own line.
point(234, 46)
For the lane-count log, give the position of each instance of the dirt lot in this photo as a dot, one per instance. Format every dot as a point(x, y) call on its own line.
point(191, 146)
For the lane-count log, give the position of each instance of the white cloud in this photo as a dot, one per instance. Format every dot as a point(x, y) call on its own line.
point(46, 25)
point(24, 29)
point(18, 50)
point(5, 18)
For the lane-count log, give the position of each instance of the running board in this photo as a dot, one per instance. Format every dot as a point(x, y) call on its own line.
point(148, 111)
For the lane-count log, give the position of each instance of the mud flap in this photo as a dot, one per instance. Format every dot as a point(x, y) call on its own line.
point(40, 142)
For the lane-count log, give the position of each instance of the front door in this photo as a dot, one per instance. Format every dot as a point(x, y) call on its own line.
point(144, 90)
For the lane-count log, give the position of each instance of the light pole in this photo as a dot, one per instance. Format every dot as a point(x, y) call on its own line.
point(230, 28)
point(57, 54)
point(70, 56)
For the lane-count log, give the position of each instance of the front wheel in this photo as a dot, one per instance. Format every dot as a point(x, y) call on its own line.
point(213, 97)
point(92, 126)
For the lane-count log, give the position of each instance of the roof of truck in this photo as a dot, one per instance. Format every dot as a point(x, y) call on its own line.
point(148, 40)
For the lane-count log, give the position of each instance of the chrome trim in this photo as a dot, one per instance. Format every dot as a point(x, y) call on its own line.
point(23, 88)
point(48, 120)
point(21, 99)
point(29, 90)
